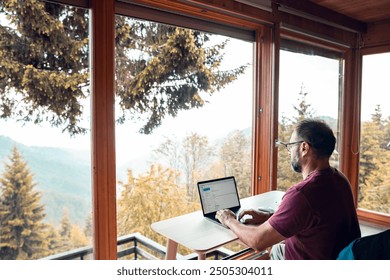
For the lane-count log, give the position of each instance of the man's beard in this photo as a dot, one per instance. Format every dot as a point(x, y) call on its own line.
point(296, 163)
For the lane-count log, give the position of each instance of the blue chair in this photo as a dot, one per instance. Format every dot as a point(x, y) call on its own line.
point(372, 247)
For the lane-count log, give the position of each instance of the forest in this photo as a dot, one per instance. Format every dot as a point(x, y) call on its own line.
point(167, 189)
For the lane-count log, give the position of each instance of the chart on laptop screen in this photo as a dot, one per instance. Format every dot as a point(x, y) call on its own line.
point(218, 195)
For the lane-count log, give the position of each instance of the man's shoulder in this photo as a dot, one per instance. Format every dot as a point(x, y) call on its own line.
point(325, 178)
point(296, 189)
point(340, 174)
point(301, 185)
point(326, 175)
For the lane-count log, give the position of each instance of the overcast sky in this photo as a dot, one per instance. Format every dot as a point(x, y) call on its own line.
point(235, 103)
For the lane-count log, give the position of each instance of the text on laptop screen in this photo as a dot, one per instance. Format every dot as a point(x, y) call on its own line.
point(218, 195)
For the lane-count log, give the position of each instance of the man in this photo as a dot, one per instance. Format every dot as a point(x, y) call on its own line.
point(316, 218)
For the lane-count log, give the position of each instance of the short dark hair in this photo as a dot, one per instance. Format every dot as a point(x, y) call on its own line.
point(318, 134)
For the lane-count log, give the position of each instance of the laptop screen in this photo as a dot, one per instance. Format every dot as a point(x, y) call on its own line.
point(218, 194)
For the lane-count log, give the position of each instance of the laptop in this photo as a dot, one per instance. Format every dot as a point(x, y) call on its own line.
point(217, 194)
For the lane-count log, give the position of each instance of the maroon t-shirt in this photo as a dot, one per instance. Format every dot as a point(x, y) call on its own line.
point(317, 216)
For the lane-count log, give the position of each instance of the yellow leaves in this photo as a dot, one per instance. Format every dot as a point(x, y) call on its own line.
point(148, 198)
point(78, 238)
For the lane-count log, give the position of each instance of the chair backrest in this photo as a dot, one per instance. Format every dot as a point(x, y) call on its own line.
point(371, 247)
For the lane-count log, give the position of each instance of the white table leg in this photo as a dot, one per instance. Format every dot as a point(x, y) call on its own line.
point(171, 250)
point(201, 256)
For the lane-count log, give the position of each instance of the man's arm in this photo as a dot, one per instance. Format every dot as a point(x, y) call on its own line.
point(257, 237)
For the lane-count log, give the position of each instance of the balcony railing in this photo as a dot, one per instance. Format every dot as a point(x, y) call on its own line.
point(136, 247)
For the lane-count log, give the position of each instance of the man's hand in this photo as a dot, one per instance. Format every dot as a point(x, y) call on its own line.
point(257, 217)
point(224, 216)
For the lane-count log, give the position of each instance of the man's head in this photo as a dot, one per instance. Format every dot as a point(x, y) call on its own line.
point(316, 136)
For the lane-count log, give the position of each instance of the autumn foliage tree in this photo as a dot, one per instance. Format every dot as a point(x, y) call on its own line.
point(149, 198)
point(374, 178)
point(44, 70)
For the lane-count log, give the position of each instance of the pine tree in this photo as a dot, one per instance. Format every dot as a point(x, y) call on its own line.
point(286, 177)
point(65, 231)
point(22, 231)
point(160, 69)
point(303, 109)
point(78, 238)
point(44, 63)
point(54, 244)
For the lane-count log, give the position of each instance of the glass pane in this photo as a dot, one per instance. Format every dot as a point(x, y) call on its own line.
point(45, 168)
point(184, 110)
point(309, 87)
point(374, 170)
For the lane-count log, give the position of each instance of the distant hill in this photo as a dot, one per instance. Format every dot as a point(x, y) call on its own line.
point(63, 177)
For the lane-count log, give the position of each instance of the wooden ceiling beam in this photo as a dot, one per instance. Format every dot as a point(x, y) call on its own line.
point(310, 10)
point(223, 11)
point(76, 3)
point(315, 29)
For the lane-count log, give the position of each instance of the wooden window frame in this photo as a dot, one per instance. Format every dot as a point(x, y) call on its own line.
point(326, 45)
point(103, 141)
point(103, 129)
point(263, 68)
point(363, 214)
point(350, 116)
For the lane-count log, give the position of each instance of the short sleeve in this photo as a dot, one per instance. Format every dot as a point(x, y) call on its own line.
point(293, 215)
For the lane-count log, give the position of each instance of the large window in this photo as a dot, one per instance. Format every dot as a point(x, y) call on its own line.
point(45, 167)
point(184, 110)
point(374, 168)
point(310, 83)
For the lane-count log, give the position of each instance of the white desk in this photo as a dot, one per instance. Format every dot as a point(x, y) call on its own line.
point(201, 235)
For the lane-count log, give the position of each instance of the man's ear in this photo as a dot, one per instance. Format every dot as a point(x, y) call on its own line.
point(305, 148)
